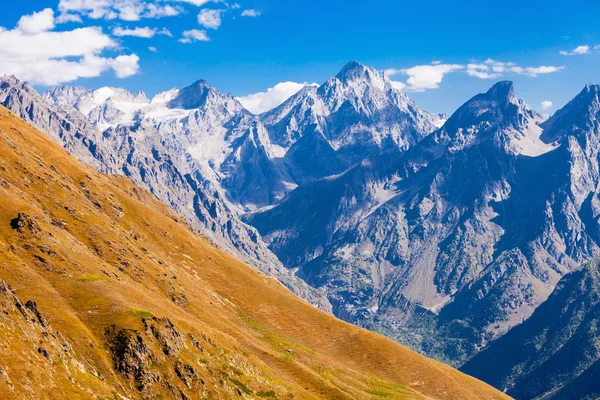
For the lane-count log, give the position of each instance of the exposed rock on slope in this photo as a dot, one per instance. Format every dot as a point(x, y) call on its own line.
point(102, 259)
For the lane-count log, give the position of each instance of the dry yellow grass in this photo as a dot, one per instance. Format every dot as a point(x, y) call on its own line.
point(103, 256)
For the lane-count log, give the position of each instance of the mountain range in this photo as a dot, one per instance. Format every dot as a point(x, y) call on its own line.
point(443, 238)
point(105, 293)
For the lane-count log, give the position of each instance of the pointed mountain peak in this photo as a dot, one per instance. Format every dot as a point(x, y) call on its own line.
point(194, 95)
point(9, 78)
point(498, 106)
point(590, 95)
point(201, 83)
point(353, 71)
point(582, 114)
point(502, 91)
point(201, 94)
point(12, 81)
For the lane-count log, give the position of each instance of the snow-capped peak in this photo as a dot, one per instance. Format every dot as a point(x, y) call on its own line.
point(200, 94)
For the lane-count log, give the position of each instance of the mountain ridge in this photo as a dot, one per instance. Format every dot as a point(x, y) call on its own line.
point(123, 299)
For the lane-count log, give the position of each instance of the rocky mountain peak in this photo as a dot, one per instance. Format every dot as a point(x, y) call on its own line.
point(353, 70)
point(201, 94)
point(582, 114)
point(502, 91)
point(497, 107)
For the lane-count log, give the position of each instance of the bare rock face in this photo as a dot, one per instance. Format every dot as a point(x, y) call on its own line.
point(28, 332)
point(25, 223)
point(186, 373)
point(132, 357)
point(163, 330)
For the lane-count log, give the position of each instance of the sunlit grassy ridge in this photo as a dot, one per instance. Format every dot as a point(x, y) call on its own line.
point(146, 308)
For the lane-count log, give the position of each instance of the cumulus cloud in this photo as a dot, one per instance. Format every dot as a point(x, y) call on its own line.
point(577, 51)
point(194, 35)
point(34, 53)
point(250, 13)
point(37, 22)
point(197, 3)
point(145, 32)
point(210, 18)
point(261, 102)
point(63, 18)
point(156, 11)
point(126, 10)
point(153, 49)
point(546, 104)
point(398, 85)
point(424, 77)
point(492, 69)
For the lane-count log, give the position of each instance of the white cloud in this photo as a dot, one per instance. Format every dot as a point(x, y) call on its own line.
point(194, 35)
point(423, 77)
point(260, 102)
point(153, 49)
point(250, 13)
point(398, 85)
point(155, 11)
point(126, 10)
point(52, 58)
point(66, 17)
point(210, 18)
point(200, 3)
point(546, 104)
point(94, 9)
point(197, 3)
point(579, 50)
point(125, 66)
point(37, 22)
point(482, 71)
point(129, 10)
point(492, 69)
point(535, 71)
point(145, 32)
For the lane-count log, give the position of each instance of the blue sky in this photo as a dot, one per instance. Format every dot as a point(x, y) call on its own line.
point(309, 41)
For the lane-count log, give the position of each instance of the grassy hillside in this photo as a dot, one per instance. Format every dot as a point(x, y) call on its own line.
point(105, 293)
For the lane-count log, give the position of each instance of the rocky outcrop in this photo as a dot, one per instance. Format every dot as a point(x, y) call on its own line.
point(132, 357)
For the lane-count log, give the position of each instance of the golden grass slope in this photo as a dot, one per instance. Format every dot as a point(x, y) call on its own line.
point(131, 304)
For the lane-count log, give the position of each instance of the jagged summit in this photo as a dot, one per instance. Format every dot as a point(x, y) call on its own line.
point(580, 115)
point(498, 106)
point(200, 94)
point(502, 91)
point(353, 70)
point(9, 78)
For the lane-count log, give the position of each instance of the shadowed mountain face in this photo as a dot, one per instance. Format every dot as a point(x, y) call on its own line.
point(105, 292)
point(448, 245)
point(555, 352)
